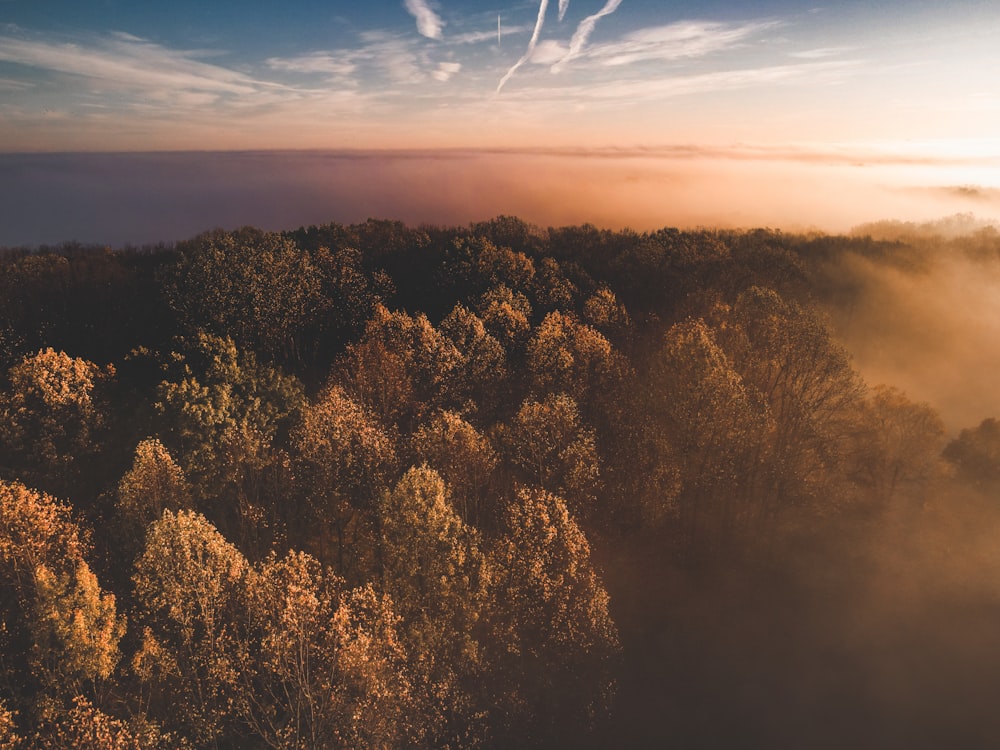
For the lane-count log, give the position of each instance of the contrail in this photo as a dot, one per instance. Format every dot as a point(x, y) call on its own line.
point(543, 6)
point(583, 32)
point(563, 5)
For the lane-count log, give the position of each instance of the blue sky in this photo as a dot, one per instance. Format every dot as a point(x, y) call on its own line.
point(115, 75)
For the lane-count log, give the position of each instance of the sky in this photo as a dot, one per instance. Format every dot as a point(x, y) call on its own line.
point(567, 109)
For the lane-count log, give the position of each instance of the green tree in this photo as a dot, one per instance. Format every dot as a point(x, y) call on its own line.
point(256, 287)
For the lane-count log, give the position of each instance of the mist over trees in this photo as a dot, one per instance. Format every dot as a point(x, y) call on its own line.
point(486, 486)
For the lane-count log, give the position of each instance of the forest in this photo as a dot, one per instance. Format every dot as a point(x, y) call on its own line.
point(382, 486)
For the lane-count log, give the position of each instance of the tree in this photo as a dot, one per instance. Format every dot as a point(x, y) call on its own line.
point(553, 448)
point(155, 483)
point(60, 631)
point(463, 457)
point(438, 578)
point(189, 583)
point(323, 664)
point(786, 354)
point(567, 356)
point(481, 375)
point(556, 637)
point(899, 446)
point(76, 629)
point(222, 414)
point(975, 453)
point(553, 290)
point(256, 287)
point(347, 462)
point(52, 416)
point(86, 727)
point(402, 367)
point(604, 312)
point(714, 425)
point(507, 315)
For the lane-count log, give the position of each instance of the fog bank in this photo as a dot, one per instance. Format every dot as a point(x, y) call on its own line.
point(151, 197)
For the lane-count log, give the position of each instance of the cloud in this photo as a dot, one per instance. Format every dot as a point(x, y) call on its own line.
point(429, 23)
point(638, 89)
point(548, 51)
point(820, 53)
point(563, 5)
point(315, 62)
point(583, 32)
point(128, 62)
point(475, 37)
point(676, 41)
point(542, 7)
point(446, 70)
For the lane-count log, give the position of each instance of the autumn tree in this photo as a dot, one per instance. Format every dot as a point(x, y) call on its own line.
point(437, 574)
point(553, 448)
point(507, 315)
point(556, 637)
point(323, 665)
point(347, 461)
point(155, 483)
point(714, 425)
point(567, 356)
point(83, 726)
point(481, 374)
point(463, 457)
point(188, 586)
point(51, 417)
point(787, 355)
point(401, 368)
point(60, 630)
point(975, 453)
point(603, 311)
point(899, 446)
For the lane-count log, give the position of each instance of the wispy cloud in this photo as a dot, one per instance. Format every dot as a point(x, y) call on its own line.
point(317, 62)
point(583, 32)
point(676, 41)
point(128, 62)
point(475, 37)
point(539, 22)
point(640, 89)
point(429, 23)
point(820, 53)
